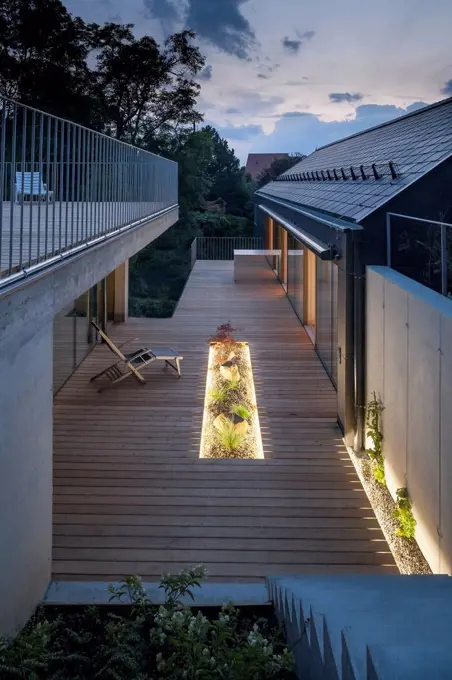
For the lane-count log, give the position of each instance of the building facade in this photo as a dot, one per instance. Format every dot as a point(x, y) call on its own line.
point(343, 208)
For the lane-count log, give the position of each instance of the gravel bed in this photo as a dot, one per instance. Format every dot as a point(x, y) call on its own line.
point(406, 552)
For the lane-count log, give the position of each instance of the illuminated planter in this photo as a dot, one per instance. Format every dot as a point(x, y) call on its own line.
point(230, 426)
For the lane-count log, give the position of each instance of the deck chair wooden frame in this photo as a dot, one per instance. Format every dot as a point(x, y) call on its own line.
point(131, 364)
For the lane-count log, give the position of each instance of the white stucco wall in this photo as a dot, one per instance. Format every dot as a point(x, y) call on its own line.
point(409, 366)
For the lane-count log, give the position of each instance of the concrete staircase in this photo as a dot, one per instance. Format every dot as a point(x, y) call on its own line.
point(367, 627)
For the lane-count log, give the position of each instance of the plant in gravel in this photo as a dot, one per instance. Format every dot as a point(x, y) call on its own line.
point(374, 433)
point(170, 642)
point(224, 342)
point(219, 395)
point(228, 436)
point(404, 515)
point(241, 411)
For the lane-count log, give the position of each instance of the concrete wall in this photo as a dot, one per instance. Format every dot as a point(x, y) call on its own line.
point(26, 355)
point(26, 476)
point(409, 366)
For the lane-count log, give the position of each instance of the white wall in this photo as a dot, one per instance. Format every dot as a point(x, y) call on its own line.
point(409, 366)
point(26, 476)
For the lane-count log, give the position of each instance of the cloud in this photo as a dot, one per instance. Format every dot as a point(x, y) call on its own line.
point(240, 132)
point(206, 73)
point(301, 131)
point(294, 46)
point(254, 104)
point(218, 22)
point(447, 89)
point(232, 110)
point(340, 97)
point(165, 10)
point(262, 76)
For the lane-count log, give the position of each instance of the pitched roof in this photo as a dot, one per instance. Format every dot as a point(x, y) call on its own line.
point(414, 143)
point(258, 162)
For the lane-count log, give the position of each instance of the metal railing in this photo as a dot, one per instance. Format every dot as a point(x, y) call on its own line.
point(64, 187)
point(421, 249)
point(222, 247)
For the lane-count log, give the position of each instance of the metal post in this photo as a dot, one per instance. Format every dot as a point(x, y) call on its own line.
point(23, 159)
point(41, 179)
point(388, 240)
point(444, 259)
point(32, 168)
point(2, 176)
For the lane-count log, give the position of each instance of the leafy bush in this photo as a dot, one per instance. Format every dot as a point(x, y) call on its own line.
point(404, 514)
point(373, 431)
point(170, 642)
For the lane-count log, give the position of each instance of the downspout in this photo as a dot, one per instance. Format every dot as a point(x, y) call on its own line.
point(359, 343)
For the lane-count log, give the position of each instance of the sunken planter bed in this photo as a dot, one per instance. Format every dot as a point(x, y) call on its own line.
point(230, 427)
point(132, 638)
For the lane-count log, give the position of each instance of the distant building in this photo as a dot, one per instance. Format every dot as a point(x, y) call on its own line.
point(258, 162)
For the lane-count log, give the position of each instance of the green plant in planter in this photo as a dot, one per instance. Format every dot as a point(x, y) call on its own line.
point(219, 395)
point(169, 642)
point(373, 431)
point(404, 514)
point(241, 411)
point(228, 436)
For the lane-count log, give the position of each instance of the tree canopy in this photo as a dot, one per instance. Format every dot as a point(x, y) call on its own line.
point(277, 167)
point(133, 89)
point(101, 76)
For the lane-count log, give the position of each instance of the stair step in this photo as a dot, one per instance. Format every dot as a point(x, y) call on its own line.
point(397, 662)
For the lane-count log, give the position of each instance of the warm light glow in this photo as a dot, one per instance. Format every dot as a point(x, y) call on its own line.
point(209, 436)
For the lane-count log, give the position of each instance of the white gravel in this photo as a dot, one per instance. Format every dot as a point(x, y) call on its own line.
point(406, 552)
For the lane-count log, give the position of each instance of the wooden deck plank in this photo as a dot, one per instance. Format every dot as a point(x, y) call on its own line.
point(132, 496)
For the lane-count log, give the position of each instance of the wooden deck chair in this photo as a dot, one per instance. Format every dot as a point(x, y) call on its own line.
point(131, 364)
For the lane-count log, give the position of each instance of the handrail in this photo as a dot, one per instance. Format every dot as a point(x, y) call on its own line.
point(222, 247)
point(64, 186)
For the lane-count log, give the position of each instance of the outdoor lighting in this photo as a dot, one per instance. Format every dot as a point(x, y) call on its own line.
point(230, 425)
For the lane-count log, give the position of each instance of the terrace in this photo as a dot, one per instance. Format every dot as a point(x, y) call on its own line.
point(131, 494)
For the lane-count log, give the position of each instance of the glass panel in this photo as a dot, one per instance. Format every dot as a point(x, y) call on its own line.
point(63, 346)
point(83, 335)
point(310, 293)
point(295, 275)
point(326, 331)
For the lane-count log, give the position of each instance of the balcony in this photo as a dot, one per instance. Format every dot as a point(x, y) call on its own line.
point(131, 494)
point(65, 188)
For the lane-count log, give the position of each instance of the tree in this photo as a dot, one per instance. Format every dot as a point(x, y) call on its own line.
point(228, 178)
point(43, 57)
point(277, 167)
point(100, 76)
point(141, 88)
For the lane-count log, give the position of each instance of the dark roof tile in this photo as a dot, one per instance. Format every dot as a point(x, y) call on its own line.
point(416, 143)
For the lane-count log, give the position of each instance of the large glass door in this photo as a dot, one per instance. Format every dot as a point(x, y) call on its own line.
point(310, 285)
point(295, 275)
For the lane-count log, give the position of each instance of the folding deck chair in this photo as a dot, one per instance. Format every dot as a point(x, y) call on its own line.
point(131, 364)
point(30, 185)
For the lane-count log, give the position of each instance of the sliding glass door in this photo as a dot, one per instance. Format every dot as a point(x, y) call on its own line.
point(326, 331)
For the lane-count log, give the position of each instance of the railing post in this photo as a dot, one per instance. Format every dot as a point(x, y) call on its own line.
point(444, 259)
point(193, 252)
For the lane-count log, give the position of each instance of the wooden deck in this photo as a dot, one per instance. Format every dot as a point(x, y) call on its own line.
point(39, 230)
point(131, 495)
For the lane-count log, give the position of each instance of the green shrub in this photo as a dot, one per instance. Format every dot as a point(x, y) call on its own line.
point(373, 431)
point(170, 642)
point(404, 514)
